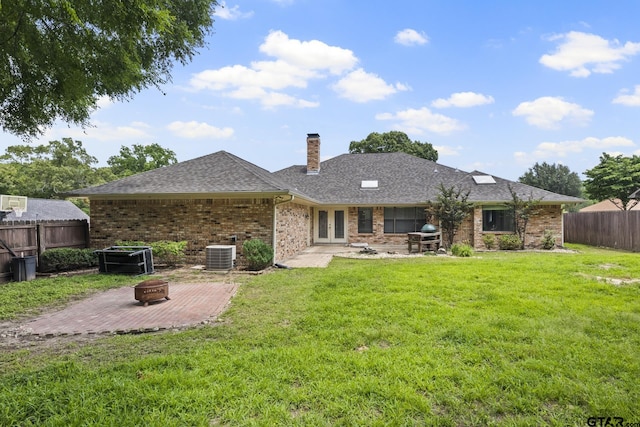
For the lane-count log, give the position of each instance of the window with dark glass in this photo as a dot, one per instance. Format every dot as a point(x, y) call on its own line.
point(338, 217)
point(365, 220)
point(497, 219)
point(403, 220)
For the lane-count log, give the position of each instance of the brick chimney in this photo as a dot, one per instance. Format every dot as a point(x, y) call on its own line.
point(313, 154)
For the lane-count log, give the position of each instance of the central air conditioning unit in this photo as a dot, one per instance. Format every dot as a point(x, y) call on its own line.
point(220, 257)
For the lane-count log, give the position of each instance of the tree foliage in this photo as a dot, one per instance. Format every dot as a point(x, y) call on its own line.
point(391, 142)
point(615, 177)
point(140, 158)
point(451, 208)
point(58, 57)
point(521, 211)
point(551, 177)
point(48, 171)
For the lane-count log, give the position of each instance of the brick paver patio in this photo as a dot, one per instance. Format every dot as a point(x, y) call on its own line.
point(116, 310)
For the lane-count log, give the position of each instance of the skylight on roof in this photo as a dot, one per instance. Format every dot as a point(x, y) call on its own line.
point(484, 179)
point(369, 183)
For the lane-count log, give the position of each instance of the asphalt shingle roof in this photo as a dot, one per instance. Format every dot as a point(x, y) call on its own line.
point(402, 180)
point(49, 210)
point(220, 172)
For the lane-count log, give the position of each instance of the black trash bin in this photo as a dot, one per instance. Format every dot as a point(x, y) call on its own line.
point(24, 268)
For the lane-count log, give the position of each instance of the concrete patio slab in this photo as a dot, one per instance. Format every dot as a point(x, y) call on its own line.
point(319, 256)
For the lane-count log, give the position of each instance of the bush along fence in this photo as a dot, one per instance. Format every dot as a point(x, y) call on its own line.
point(610, 229)
point(32, 238)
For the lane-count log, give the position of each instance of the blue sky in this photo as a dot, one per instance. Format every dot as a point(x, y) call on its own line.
point(493, 85)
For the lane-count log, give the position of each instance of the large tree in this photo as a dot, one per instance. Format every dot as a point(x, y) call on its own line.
point(614, 178)
point(49, 171)
point(58, 57)
point(391, 142)
point(556, 178)
point(140, 158)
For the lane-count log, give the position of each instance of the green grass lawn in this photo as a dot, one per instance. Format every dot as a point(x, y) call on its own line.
point(500, 338)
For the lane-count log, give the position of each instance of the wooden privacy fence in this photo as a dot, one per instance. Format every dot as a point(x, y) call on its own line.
point(610, 229)
point(32, 238)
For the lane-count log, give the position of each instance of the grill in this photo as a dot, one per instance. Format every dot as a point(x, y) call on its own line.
point(151, 290)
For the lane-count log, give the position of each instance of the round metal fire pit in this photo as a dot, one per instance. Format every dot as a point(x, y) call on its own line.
point(151, 290)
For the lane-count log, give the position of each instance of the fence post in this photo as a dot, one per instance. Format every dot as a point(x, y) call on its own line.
point(40, 230)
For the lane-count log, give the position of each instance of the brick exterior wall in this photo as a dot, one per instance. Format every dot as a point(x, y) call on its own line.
point(549, 217)
point(201, 222)
point(465, 231)
point(293, 225)
point(204, 222)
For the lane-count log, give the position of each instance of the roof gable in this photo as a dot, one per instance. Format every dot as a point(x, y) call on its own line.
point(402, 179)
point(220, 172)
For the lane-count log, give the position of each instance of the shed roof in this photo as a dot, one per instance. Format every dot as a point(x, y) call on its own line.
point(607, 205)
point(49, 210)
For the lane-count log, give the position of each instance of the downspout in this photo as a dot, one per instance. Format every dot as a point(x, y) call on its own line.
point(278, 200)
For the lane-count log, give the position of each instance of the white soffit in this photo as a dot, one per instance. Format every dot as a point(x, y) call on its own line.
point(484, 179)
point(373, 183)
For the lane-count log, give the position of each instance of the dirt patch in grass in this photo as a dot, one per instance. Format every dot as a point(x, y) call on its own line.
point(611, 280)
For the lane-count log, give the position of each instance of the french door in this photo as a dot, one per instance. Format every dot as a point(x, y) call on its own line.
point(331, 226)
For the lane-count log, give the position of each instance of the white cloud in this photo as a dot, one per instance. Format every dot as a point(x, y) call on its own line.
point(103, 131)
point(360, 86)
point(582, 54)
point(553, 150)
point(445, 150)
point(275, 99)
point(104, 102)
point(195, 129)
point(308, 55)
point(409, 37)
point(463, 100)
point(271, 75)
point(230, 13)
point(548, 112)
point(297, 62)
point(418, 121)
point(632, 100)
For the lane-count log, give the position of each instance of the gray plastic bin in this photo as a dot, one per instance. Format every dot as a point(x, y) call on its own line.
point(24, 268)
